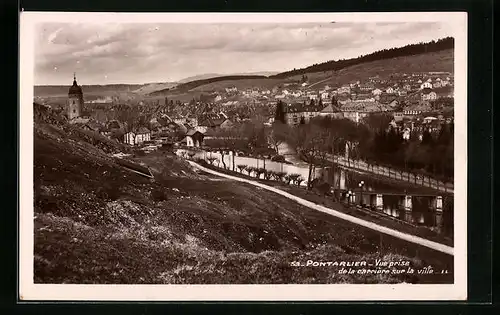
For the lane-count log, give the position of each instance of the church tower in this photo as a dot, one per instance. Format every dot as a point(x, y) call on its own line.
point(75, 100)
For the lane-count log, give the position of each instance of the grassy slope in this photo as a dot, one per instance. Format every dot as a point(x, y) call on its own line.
point(435, 61)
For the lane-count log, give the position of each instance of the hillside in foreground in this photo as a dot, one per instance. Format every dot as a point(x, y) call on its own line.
point(96, 222)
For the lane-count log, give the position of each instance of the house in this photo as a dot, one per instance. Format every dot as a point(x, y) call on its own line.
point(226, 124)
point(142, 134)
point(346, 88)
point(193, 138)
point(325, 95)
point(387, 98)
point(377, 92)
point(367, 87)
point(357, 111)
point(129, 138)
point(218, 98)
point(407, 87)
point(426, 85)
point(137, 137)
point(332, 111)
point(232, 89)
point(389, 90)
point(294, 113)
point(428, 95)
point(437, 84)
point(211, 122)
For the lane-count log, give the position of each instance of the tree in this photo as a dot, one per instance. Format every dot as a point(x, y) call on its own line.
point(279, 116)
point(276, 135)
point(309, 143)
point(378, 122)
point(334, 101)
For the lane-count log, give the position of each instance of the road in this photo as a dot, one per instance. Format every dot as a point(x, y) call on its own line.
point(382, 229)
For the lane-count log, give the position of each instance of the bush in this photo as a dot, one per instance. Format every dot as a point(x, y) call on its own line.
point(241, 167)
point(251, 169)
point(268, 174)
point(211, 160)
point(279, 175)
point(260, 171)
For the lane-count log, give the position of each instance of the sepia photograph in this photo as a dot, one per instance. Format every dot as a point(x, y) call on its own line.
point(243, 156)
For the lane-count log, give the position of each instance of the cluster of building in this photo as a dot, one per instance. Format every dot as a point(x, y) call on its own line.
point(354, 101)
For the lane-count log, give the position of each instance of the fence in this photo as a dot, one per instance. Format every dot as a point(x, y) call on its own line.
point(232, 162)
point(417, 179)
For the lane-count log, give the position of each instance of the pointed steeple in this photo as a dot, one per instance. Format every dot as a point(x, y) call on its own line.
point(75, 89)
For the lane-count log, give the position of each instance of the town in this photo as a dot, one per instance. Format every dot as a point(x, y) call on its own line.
point(412, 105)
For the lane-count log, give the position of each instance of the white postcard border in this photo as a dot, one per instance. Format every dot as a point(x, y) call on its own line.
point(347, 292)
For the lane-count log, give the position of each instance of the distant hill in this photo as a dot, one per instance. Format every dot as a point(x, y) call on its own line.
point(405, 51)
point(185, 87)
point(199, 77)
point(441, 61)
point(214, 75)
point(151, 87)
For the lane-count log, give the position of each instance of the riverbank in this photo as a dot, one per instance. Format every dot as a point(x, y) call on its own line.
point(327, 201)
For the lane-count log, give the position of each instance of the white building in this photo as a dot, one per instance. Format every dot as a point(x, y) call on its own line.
point(426, 85)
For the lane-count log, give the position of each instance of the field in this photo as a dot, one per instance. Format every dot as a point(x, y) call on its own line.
point(96, 222)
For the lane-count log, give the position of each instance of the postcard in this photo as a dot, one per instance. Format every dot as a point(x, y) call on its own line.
point(243, 156)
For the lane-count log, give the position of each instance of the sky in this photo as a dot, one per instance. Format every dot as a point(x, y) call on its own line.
point(166, 52)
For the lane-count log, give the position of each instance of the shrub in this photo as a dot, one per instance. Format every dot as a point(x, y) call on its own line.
point(241, 167)
point(279, 175)
point(251, 169)
point(299, 180)
point(268, 174)
point(211, 160)
point(260, 171)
